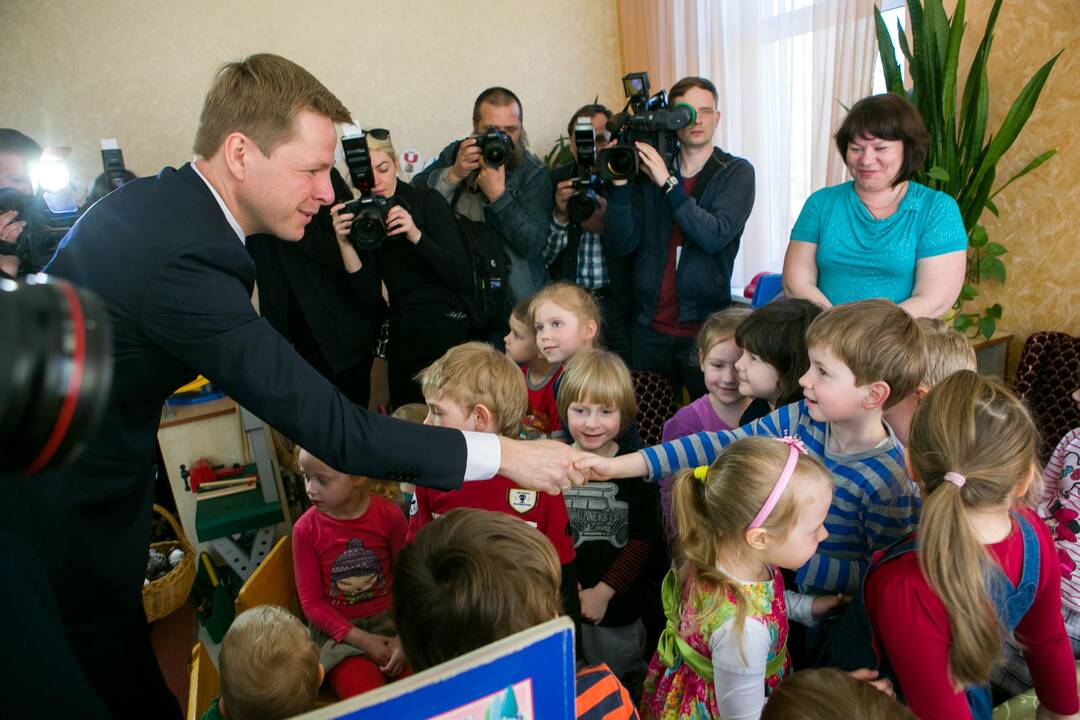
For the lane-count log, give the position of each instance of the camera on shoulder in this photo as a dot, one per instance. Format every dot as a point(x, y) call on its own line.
point(368, 229)
point(646, 118)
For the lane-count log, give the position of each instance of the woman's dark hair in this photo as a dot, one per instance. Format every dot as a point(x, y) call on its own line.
point(776, 333)
point(889, 117)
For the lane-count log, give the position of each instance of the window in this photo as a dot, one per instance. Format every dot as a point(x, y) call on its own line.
point(892, 12)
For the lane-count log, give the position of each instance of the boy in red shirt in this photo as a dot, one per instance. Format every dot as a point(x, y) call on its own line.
point(474, 387)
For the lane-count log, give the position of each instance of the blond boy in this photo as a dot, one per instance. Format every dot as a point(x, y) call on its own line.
point(864, 357)
point(269, 667)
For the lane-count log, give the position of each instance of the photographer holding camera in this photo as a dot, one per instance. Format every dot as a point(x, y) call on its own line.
point(493, 178)
point(575, 246)
point(17, 152)
point(418, 255)
point(684, 222)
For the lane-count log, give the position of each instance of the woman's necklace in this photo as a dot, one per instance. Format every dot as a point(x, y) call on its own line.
point(878, 211)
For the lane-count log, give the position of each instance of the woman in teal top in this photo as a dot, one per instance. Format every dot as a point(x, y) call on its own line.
point(881, 234)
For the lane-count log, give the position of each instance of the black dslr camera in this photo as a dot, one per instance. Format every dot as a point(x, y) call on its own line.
point(588, 186)
point(369, 224)
point(495, 147)
point(48, 216)
point(646, 119)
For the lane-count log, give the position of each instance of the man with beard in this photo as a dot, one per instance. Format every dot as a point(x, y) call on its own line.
point(514, 198)
point(683, 225)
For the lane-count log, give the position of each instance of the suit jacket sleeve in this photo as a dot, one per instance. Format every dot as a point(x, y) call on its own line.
point(198, 309)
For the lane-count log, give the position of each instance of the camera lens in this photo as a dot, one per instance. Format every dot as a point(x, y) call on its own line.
point(368, 230)
point(621, 162)
point(494, 154)
point(55, 372)
point(581, 205)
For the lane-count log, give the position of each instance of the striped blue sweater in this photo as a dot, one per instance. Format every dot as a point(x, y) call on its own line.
point(874, 503)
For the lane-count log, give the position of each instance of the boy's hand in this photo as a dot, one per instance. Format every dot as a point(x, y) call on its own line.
point(594, 601)
point(595, 467)
point(825, 605)
point(871, 676)
point(396, 663)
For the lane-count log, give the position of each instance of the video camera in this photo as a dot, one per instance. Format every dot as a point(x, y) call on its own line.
point(646, 118)
point(49, 213)
point(369, 224)
point(588, 185)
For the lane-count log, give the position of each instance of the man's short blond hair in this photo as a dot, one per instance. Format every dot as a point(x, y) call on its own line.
point(601, 377)
point(878, 342)
point(475, 373)
point(260, 97)
point(269, 666)
point(947, 351)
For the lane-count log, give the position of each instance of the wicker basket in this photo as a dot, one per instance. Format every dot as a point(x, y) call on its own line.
point(166, 594)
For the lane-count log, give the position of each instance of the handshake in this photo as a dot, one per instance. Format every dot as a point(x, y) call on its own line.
point(552, 466)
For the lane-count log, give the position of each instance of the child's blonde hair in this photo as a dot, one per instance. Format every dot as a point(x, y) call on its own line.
point(973, 426)
point(411, 412)
point(713, 514)
point(947, 351)
point(475, 373)
point(522, 312)
point(383, 488)
point(572, 297)
point(877, 341)
point(600, 377)
point(720, 327)
point(828, 693)
point(269, 666)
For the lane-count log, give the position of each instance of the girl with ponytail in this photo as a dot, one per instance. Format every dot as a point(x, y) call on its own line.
point(979, 567)
point(759, 507)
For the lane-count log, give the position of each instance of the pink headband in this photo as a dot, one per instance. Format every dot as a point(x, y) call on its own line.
point(797, 447)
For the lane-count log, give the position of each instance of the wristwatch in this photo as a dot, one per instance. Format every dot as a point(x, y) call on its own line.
point(670, 184)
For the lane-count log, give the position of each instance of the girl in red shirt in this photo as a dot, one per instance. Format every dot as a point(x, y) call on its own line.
point(344, 549)
point(980, 568)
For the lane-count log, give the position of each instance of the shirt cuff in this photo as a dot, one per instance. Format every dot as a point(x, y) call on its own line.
point(483, 455)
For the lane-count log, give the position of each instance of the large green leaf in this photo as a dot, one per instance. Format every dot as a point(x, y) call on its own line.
point(987, 325)
point(894, 81)
point(948, 90)
point(1027, 168)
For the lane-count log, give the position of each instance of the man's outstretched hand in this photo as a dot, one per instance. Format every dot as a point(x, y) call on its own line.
point(546, 465)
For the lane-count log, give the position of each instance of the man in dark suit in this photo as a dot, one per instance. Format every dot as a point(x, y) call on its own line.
point(167, 256)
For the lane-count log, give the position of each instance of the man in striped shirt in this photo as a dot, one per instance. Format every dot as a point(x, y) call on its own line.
point(445, 607)
point(864, 358)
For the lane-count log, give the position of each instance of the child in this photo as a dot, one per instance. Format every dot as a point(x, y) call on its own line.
point(616, 524)
point(773, 341)
point(542, 417)
point(864, 356)
point(476, 577)
point(721, 407)
point(1059, 507)
point(269, 667)
point(475, 387)
point(566, 319)
point(344, 548)
point(947, 351)
point(827, 694)
point(978, 568)
point(760, 506)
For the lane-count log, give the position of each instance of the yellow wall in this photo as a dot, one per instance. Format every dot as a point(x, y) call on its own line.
point(1040, 213)
point(77, 71)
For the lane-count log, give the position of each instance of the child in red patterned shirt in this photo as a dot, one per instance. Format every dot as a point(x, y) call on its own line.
point(542, 416)
point(344, 548)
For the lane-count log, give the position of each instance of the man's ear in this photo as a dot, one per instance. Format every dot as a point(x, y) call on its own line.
point(236, 150)
point(483, 418)
point(877, 393)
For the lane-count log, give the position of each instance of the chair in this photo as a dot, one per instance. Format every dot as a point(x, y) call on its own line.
point(272, 582)
point(1048, 373)
point(656, 404)
point(205, 684)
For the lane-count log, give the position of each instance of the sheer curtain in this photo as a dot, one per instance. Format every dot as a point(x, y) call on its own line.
point(785, 71)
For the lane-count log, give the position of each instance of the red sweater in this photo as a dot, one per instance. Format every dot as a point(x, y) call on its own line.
point(344, 568)
point(911, 625)
point(543, 412)
point(546, 513)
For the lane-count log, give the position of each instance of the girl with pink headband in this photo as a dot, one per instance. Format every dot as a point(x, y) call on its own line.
point(759, 507)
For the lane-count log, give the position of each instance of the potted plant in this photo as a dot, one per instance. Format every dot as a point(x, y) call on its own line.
point(962, 160)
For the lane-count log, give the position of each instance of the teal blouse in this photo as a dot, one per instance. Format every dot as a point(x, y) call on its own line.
point(861, 257)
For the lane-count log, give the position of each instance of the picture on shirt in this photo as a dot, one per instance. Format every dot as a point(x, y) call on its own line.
point(356, 576)
point(595, 514)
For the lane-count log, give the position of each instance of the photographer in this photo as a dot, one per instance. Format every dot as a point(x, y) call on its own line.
point(308, 294)
point(685, 223)
point(423, 265)
point(17, 152)
point(514, 198)
point(575, 251)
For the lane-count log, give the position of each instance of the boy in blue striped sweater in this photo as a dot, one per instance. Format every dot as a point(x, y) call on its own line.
point(864, 358)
